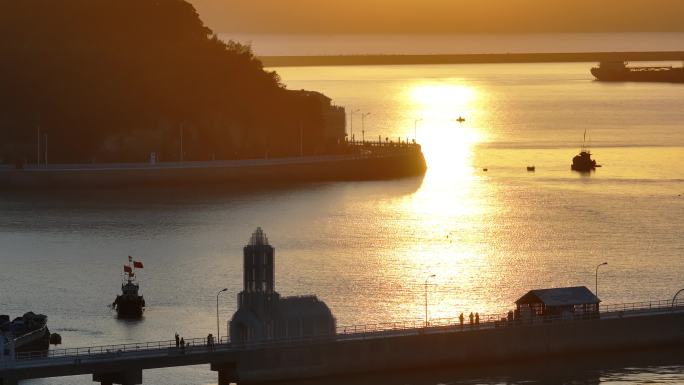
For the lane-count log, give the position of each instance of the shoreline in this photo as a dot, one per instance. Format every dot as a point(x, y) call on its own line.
point(493, 58)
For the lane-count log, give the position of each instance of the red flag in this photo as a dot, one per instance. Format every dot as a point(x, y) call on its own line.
point(138, 265)
point(127, 269)
point(130, 259)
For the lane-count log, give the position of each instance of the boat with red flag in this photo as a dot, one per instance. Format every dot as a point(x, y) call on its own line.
point(130, 303)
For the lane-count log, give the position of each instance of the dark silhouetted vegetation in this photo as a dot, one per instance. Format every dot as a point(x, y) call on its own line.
point(114, 80)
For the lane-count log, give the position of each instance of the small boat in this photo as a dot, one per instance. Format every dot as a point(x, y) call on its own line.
point(530, 168)
point(130, 304)
point(460, 119)
point(583, 162)
point(28, 333)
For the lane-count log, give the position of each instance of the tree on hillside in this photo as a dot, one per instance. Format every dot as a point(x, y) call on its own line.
point(114, 80)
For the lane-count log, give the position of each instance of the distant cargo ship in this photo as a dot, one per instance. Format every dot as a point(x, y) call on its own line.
point(620, 72)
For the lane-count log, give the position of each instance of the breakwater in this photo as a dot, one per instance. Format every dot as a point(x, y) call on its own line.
point(398, 162)
point(559, 57)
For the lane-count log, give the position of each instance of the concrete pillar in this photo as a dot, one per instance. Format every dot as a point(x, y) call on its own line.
point(227, 372)
point(8, 380)
point(225, 377)
point(128, 377)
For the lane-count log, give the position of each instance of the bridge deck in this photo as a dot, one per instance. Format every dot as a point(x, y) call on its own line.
point(161, 354)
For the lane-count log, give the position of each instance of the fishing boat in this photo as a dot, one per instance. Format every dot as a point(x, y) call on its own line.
point(583, 162)
point(130, 304)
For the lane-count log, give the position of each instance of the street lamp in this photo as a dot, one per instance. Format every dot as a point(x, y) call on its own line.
point(363, 126)
point(218, 329)
point(415, 129)
point(351, 122)
point(426, 298)
point(674, 299)
point(597, 268)
point(182, 127)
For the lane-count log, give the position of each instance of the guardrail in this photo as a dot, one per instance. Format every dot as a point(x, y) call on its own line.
point(117, 349)
point(356, 332)
point(647, 305)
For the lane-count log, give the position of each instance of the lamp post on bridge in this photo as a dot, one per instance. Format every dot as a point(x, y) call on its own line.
point(218, 328)
point(674, 299)
point(415, 129)
point(351, 123)
point(363, 126)
point(597, 269)
point(426, 298)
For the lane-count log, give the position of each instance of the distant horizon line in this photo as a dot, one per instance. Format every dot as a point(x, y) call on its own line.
point(473, 58)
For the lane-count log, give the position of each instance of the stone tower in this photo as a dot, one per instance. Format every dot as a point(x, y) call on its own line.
point(262, 314)
point(258, 264)
point(258, 298)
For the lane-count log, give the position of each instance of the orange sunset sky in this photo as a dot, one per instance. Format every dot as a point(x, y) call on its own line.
point(440, 16)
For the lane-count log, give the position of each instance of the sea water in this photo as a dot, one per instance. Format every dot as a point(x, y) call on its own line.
point(367, 248)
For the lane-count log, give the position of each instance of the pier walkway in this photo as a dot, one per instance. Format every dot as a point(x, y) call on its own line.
point(124, 364)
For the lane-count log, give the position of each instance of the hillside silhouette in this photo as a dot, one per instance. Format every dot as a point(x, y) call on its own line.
point(115, 80)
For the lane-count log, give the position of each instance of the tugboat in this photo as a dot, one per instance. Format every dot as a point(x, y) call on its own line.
point(130, 304)
point(583, 162)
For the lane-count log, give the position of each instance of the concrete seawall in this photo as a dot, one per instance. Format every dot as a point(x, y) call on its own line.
point(260, 171)
point(461, 347)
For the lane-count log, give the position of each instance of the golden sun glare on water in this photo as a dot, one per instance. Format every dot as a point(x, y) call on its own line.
point(449, 200)
point(445, 140)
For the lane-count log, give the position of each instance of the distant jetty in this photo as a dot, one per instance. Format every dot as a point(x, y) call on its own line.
point(369, 161)
point(351, 60)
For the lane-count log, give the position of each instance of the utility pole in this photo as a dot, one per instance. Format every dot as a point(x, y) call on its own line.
point(426, 298)
point(181, 142)
point(597, 269)
point(351, 123)
point(38, 151)
point(218, 328)
point(415, 129)
point(363, 126)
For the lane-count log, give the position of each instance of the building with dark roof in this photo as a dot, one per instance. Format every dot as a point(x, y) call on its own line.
point(262, 313)
point(562, 302)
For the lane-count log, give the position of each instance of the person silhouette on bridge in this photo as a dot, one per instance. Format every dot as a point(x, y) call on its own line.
point(477, 318)
point(182, 345)
point(177, 340)
point(471, 316)
point(460, 318)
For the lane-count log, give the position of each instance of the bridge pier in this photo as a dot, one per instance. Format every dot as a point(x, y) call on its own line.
point(7, 380)
point(129, 377)
point(227, 373)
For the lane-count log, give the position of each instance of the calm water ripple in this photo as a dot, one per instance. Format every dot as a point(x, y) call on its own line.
point(366, 248)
